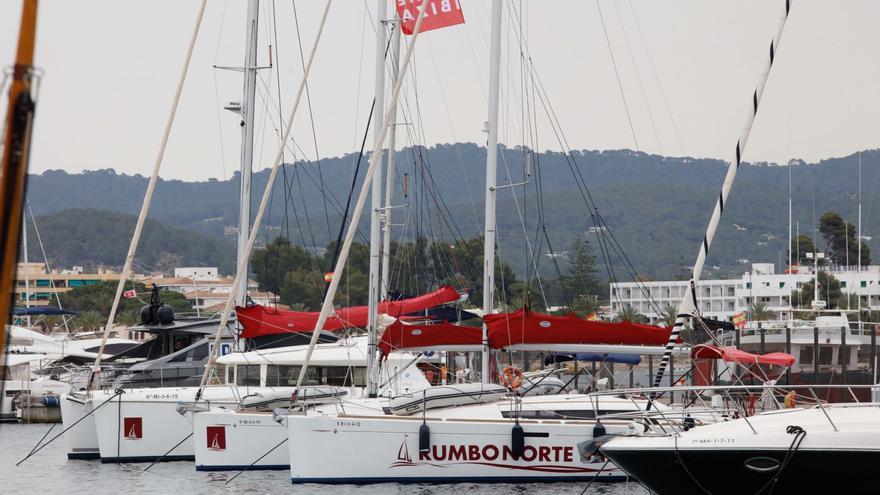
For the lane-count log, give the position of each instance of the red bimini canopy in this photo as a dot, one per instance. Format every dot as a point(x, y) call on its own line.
point(431, 336)
point(734, 355)
point(261, 320)
point(527, 327)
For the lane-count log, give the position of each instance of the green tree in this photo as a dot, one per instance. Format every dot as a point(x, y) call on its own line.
point(800, 246)
point(670, 313)
point(272, 263)
point(760, 312)
point(628, 313)
point(99, 298)
point(89, 321)
point(829, 291)
point(582, 279)
point(841, 239)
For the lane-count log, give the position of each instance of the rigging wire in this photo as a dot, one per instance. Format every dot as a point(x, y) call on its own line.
point(656, 77)
point(617, 76)
point(638, 76)
point(311, 113)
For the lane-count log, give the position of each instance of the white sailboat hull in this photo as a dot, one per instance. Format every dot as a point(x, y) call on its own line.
point(225, 440)
point(363, 449)
point(144, 425)
point(79, 426)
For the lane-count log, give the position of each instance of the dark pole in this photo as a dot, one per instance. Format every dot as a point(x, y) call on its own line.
point(843, 354)
point(815, 355)
point(873, 353)
point(788, 351)
point(763, 332)
point(650, 370)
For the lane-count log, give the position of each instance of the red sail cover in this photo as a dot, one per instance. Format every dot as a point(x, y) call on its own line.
point(527, 327)
point(439, 14)
point(734, 355)
point(261, 320)
point(399, 336)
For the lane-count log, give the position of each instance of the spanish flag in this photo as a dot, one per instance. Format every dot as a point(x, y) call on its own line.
point(328, 276)
point(739, 320)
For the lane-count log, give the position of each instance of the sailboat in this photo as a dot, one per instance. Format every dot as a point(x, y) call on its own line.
point(507, 437)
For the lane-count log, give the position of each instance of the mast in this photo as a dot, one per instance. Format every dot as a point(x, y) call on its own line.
point(376, 202)
point(688, 306)
point(491, 178)
point(389, 173)
point(859, 240)
point(327, 304)
point(247, 143)
point(16, 153)
point(790, 259)
point(264, 201)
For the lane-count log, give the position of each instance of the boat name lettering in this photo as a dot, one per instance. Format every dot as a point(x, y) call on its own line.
point(355, 424)
point(249, 421)
point(713, 441)
point(161, 396)
point(543, 453)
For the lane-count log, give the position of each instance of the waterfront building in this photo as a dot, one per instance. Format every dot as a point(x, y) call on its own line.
point(721, 299)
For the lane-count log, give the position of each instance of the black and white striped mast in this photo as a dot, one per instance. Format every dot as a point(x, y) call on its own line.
point(688, 306)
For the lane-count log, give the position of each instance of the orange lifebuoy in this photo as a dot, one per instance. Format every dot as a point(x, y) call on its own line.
point(512, 377)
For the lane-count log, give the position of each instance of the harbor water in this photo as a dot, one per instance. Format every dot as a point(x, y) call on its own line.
point(50, 470)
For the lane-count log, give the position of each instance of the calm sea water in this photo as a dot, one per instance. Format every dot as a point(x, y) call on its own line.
point(49, 471)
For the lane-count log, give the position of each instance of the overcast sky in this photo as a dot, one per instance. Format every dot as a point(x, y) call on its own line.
point(111, 68)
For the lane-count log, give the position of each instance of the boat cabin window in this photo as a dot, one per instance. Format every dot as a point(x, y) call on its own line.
point(562, 414)
point(200, 353)
point(339, 376)
point(248, 375)
point(806, 356)
point(825, 353)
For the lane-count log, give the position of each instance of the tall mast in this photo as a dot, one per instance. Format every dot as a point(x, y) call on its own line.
point(389, 173)
point(859, 240)
point(491, 178)
point(376, 201)
point(247, 143)
point(327, 305)
point(789, 270)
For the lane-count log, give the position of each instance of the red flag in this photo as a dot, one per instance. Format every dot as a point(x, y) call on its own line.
point(438, 14)
point(129, 294)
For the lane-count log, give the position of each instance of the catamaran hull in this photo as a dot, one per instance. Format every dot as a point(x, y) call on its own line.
point(364, 450)
point(229, 441)
point(79, 427)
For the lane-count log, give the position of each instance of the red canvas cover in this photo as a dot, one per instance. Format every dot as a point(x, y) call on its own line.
point(262, 320)
point(527, 327)
point(400, 336)
point(734, 355)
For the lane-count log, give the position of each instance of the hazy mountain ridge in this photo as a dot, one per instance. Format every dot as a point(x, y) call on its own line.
point(656, 206)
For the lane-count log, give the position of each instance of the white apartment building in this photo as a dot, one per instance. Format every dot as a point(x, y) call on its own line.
point(197, 272)
point(722, 299)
